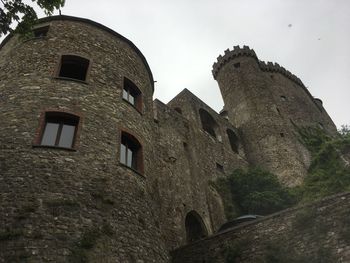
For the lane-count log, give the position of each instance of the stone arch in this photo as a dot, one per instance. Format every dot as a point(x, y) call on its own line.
point(233, 138)
point(195, 227)
point(208, 123)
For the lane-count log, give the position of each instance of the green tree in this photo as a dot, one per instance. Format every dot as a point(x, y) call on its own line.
point(14, 12)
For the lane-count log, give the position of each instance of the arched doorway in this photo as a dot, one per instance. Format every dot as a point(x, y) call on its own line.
point(195, 228)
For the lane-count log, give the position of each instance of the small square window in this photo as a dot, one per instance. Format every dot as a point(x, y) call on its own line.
point(73, 67)
point(219, 167)
point(59, 130)
point(237, 65)
point(41, 31)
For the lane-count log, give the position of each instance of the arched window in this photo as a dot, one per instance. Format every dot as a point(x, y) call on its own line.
point(131, 152)
point(195, 228)
point(208, 122)
point(233, 138)
point(132, 94)
point(59, 129)
point(73, 67)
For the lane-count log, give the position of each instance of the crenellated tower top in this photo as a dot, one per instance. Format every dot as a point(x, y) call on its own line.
point(248, 52)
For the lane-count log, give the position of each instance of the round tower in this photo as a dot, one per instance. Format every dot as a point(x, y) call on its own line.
point(76, 123)
point(252, 105)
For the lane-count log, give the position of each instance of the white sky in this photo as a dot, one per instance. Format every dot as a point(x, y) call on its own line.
point(181, 40)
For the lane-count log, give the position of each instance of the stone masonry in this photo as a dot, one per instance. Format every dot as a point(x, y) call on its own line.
point(65, 204)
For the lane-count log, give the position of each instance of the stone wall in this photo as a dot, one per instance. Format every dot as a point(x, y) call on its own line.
point(82, 203)
point(67, 204)
point(188, 159)
point(317, 232)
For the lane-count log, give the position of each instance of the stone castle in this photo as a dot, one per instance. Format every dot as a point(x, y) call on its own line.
point(91, 167)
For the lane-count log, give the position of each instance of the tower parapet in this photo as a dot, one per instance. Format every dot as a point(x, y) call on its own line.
point(229, 55)
point(248, 52)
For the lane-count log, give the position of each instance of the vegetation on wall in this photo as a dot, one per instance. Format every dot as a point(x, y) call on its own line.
point(256, 191)
point(253, 191)
point(329, 172)
point(21, 13)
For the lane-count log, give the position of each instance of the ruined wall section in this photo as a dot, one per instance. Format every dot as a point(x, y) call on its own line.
point(56, 200)
point(187, 160)
point(266, 102)
point(312, 233)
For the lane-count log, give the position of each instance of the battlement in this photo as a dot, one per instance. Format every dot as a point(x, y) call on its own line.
point(248, 52)
point(230, 54)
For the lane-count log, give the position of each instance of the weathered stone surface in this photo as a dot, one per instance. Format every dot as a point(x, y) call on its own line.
point(320, 229)
point(51, 199)
point(266, 106)
point(61, 205)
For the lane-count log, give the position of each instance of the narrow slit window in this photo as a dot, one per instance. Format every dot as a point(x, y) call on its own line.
point(74, 67)
point(132, 94)
point(131, 152)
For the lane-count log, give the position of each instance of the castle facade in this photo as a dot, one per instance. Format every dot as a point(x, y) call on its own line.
point(91, 167)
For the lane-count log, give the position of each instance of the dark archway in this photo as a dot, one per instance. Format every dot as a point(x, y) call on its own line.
point(208, 122)
point(195, 228)
point(233, 138)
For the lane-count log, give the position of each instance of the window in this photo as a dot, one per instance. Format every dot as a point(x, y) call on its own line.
point(237, 65)
point(131, 152)
point(60, 129)
point(40, 31)
point(219, 167)
point(132, 94)
point(233, 138)
point(177, 109)
point(73, 67)
point(208, 122)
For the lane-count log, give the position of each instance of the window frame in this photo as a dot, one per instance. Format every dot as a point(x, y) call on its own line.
point(72, 57)
point(42, 29)
point(131, 88)
point(71, 117)
point(133, 141)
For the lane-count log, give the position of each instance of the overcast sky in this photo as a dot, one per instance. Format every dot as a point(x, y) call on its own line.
point(181, 40)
